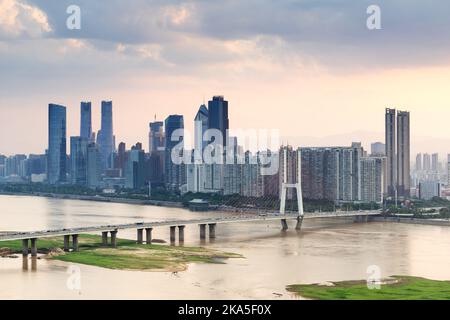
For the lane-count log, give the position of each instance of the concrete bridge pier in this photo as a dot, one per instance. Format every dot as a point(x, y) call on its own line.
point(33, 263)
point(284, 225)
point(114, 238)
point(172, 234)
point(148, 235)
point(212, 230)
point(140, 236)
point(75, 242)
point(24, 263)
point(298, 226)
point(105, 238)
point(25, 247)
point(66, 243)
point(34, 247)
point(202, 231)
point(181, 234)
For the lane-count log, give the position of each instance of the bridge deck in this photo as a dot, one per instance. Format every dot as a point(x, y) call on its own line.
point(142, 225)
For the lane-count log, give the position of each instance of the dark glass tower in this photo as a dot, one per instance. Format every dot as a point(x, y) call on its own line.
point(56, 166)
point(86, 121)
point(156, 136)
point(174, 175)
point(218, 116)
point(79, 160)
point(105, 139)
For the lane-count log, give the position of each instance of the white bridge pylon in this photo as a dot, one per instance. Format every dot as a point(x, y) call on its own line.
point(298, 186)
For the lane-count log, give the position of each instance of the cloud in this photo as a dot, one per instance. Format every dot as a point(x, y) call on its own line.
point(135, 22)
point(331, 33)
point(259, 38)
point(301, 56)
point(18, 19)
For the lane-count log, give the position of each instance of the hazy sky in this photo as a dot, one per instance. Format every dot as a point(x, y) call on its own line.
point(308, 67)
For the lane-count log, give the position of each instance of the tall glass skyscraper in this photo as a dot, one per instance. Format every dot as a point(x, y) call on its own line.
point(218, 119)
point(79, 160)
point(403, 154)
point(174, 173)
point(56, 166)
point(86, 121)
point(196, 172)
point(218, 116)
point(135, 169)
point(156, 136)
point(201, 123)
point(94, 166)
point(391, 175)
point(105, 139)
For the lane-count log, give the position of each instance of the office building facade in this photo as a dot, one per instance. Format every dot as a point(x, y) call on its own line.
point(372, 179)
point(105, 137)
point(175, 174)
point(86, 121)
point(391, 156)
point(94, 166)
point(403, 154)
point(218, 117)
point(79, 160)
point(135, 168)
point(57, 144)
point(156, 136)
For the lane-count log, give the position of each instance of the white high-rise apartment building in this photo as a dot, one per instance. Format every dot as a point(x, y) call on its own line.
point(372, 179)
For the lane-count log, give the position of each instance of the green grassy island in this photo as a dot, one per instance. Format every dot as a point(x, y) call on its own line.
point(394, 288)
point(127, 256)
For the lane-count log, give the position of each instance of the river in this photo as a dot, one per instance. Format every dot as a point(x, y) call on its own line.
point(325, 250)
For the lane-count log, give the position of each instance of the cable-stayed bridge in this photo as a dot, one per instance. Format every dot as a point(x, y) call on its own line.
point(261, 209)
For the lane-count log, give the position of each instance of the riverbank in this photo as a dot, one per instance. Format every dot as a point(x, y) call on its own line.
point(127, 256)
point(170, 204)
point(394, 288)
point(430, 222)
point(149, 202)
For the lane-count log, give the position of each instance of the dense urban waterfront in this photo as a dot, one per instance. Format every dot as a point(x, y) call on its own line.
point(325, 250)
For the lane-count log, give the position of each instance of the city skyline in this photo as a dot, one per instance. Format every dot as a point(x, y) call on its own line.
point(107, 120)
point(333, 173)
point(190, 125)
point(85, 122)
point(419, 144)
point(429, 144)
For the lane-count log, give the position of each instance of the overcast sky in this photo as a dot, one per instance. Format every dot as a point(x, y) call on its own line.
point(310, 68)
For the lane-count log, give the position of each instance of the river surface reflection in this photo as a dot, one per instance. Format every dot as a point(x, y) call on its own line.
point(325, 250)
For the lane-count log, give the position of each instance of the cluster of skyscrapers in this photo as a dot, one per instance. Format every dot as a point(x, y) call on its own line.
point(429, 175)
point(340, 174)
point(89, 157)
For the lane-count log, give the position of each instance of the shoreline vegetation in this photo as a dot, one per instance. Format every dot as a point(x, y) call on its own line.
point(438, 221)
point(127, 256)
point(96, 198)
point(159, 196)
point(393, 288)
point(416, 208)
